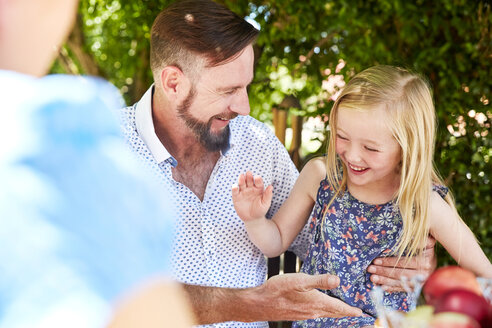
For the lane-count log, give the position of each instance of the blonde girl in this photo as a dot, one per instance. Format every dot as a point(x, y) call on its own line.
point(375, 194)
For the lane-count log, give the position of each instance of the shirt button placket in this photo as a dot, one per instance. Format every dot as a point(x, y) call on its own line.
point(208, 242)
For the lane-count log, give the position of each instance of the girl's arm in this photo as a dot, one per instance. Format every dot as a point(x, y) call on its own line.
point(252, 201)
point(457, 238)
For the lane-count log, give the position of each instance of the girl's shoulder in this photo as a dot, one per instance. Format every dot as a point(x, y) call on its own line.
point(312, 174)
point(439, 206)
point(318, 161)
point(316, 167)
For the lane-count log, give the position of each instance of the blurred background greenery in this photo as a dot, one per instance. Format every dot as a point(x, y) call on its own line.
point(308, 49)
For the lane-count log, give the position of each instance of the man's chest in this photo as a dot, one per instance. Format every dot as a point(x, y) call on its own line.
point(194, 177)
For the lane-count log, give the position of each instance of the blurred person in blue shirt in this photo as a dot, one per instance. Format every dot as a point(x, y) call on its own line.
point(81, 224)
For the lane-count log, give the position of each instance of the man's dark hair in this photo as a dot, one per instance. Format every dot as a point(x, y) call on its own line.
point(190, 30)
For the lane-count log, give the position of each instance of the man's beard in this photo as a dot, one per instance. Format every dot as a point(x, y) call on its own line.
point(211, 141)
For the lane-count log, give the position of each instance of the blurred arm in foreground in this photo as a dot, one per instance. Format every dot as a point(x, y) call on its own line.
point(76, 216)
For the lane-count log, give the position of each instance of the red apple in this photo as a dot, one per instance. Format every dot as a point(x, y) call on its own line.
point(447, 278)
point(466, 302)
point(453, 320)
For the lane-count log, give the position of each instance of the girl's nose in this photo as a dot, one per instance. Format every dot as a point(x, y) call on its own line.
point(353, 155)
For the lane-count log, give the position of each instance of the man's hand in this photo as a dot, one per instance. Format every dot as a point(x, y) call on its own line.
point(295, 296)
point(388, 271)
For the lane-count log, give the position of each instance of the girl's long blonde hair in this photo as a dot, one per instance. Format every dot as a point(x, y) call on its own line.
point(410, 115)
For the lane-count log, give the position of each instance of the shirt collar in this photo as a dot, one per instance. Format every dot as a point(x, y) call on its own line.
point(232, 139)
point(146, 131)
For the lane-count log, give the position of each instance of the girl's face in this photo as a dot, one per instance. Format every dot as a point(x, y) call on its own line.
point(368, 149)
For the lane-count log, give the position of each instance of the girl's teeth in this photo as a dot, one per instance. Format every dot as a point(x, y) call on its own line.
point(357, 168)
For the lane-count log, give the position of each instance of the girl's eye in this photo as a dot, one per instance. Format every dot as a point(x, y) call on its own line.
point(340, 137)
point(372, 149)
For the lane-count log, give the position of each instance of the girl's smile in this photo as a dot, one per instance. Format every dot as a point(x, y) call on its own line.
point(356, 169)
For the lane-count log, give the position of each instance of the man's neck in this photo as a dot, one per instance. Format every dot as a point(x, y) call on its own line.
point(195, 162)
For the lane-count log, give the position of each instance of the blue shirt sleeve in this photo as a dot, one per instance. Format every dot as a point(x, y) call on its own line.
point(80, 221)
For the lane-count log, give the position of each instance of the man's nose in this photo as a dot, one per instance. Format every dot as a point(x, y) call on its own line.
point(240, 103)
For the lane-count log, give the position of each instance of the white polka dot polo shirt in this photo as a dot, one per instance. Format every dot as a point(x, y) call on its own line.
point(211, 245)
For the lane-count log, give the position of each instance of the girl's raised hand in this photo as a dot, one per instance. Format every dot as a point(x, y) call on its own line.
point(251, 199)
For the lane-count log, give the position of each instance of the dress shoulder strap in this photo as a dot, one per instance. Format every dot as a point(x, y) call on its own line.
point(440, 189)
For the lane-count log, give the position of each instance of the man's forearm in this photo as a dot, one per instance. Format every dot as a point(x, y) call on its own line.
point(288, 297)
point(214, 304)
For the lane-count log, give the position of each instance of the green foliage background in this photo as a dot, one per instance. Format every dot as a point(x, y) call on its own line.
point(308, 48)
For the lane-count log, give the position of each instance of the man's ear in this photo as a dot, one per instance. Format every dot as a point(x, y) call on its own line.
point(173, 82)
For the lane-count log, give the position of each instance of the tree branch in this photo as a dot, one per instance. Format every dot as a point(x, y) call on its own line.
point(66, 62)
point(76, 43)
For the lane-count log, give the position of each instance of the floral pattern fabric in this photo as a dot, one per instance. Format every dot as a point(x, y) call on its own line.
point(349, 238)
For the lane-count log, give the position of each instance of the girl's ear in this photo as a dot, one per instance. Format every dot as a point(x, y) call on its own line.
point(398, 167)
point(173, 82)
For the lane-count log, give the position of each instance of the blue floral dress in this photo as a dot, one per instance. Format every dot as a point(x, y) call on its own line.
point(353, 235)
